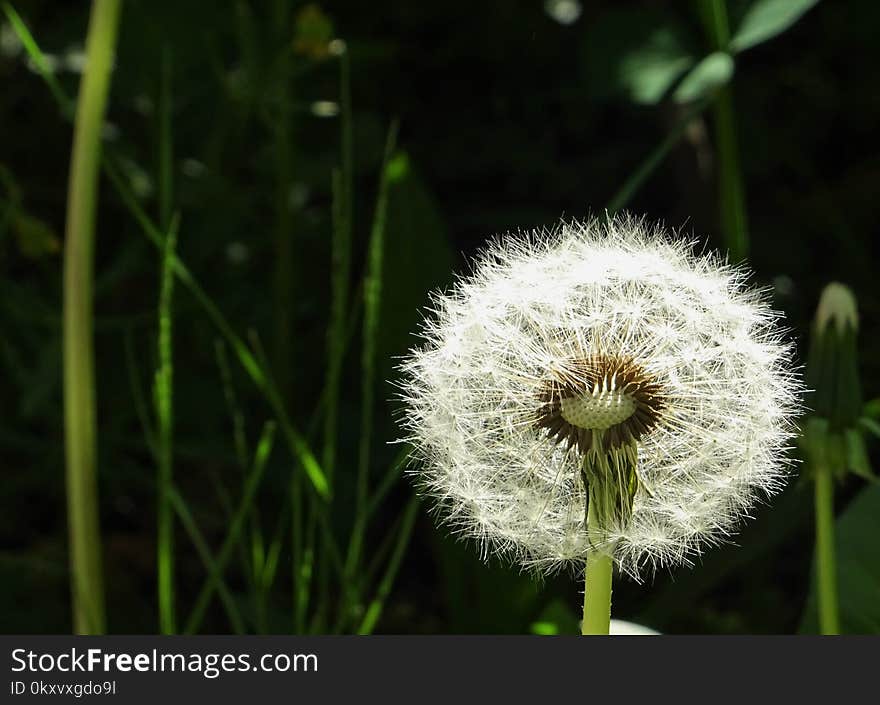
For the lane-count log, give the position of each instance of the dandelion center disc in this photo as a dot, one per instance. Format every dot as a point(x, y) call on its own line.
point(600, 402)
point(600, 410)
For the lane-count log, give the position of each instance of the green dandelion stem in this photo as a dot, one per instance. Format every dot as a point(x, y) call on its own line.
point(826, 570)
point(597, 594)
point(597, 586)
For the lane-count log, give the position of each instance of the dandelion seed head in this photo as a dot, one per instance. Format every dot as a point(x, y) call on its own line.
point(609, 342)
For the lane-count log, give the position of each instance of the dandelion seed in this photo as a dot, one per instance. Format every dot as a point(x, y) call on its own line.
point(599, 389)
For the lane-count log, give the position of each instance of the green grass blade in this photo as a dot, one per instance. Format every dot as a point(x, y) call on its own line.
point(273, 553)
point(372, 306)
point(340, 270)
point(284, 277)
point(261, 456)
point(140, 403)
point(637, 179)
point(392, 474)
point(165, 177)
point(36, 55)
point(294, 438)
point(164, 390)
point(239, 437)
point(374, 610)
point(339, 274)
point(201, 546)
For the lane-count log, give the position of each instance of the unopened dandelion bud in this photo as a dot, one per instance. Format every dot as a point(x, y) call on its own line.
point(832, 364)
point(832, 436)
point(599, 389)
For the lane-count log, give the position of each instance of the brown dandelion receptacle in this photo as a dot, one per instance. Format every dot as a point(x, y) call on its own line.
point(600, 403)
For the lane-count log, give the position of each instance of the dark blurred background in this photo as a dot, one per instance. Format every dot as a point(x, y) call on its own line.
point(512, 114)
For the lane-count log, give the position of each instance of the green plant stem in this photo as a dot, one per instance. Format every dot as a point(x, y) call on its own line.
point(201, 546)
point(597, 589)
point(165, 439)
point(731, 190)
point(284, 236)
point(237, 522)
point(79, 363)
point(826, 570)
point(372, 308)
point(165, 157)
point(374, 609)
point(638, 177)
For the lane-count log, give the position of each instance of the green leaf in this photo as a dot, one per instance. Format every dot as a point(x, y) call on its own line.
point(637, 54)
point(872, 408)
point(857, 537)
point(707, 76)
point(767, 18)
point(871, 425)
point(556, 618)
point(857, 455)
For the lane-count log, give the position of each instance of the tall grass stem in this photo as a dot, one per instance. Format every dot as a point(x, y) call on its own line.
point(78, 323)
point(372, 307)
point(164, 389)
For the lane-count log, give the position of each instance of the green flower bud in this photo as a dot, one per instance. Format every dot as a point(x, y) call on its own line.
point(832, 435)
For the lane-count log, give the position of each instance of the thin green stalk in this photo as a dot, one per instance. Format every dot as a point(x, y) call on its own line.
point(597, 589)
point(300, 577)
point(306, 569)
point(374, 610)
point(635, 181)
point(392, 474)
point(372, 306)
point(284, 260)
point(261, 457)
point(165, 158)
point(273, 553)
point(140, 404)
point(228, 507)
point(164, 390)
point(252, 559)
point(79, 362)
point(826, 570)
point(343, 206)
point(201, 546)
point(239, 437)
point(731, 190)
point(39, 59)
point(343, 232)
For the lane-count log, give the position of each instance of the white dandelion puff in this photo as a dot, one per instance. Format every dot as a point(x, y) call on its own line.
point(601, 368)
